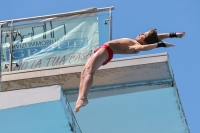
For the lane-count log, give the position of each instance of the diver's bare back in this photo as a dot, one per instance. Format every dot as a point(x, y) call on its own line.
point(120, 46)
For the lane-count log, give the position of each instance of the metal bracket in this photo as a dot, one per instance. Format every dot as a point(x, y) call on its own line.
point(3, 25)
point(106, 21)
point(7, 64)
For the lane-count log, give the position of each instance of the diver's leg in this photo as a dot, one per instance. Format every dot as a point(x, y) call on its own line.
point(87, 73)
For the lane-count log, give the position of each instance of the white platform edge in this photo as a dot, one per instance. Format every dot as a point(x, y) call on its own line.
point(10, 99)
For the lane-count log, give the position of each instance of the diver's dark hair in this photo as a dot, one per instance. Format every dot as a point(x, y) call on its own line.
point(151, 37)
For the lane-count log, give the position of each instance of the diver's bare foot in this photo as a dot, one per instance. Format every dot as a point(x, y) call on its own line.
point(80, 103)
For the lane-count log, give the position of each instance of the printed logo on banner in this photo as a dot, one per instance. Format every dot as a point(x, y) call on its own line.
point(23, 50)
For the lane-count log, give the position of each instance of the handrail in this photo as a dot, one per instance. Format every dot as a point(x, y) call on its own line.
point(83, 11)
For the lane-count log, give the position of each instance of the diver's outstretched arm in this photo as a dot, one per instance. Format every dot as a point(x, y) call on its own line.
point(162, 36)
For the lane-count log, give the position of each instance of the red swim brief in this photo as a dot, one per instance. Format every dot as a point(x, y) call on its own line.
point(110, 52)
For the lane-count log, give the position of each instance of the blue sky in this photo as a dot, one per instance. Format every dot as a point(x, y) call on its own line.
point(133, 17)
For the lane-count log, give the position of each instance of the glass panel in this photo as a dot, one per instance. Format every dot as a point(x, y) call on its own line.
point(70, 115)
point(103, 28)
point(152, 111)
point(60, 42)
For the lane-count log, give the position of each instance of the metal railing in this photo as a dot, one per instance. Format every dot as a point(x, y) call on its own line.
point(49, 17)
point(67, 14)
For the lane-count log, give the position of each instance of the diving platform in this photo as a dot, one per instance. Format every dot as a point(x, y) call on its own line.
point(145, 70)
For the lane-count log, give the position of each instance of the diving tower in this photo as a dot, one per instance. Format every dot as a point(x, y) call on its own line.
point(41, 65)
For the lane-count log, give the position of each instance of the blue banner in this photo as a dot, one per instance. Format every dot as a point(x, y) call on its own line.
point(65, 41)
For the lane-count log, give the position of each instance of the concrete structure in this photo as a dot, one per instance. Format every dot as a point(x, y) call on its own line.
point(148, 69)
point(146, 80)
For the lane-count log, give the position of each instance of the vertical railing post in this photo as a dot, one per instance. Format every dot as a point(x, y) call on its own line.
point(0, 55)
point(110, 26)
point(11, 46)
